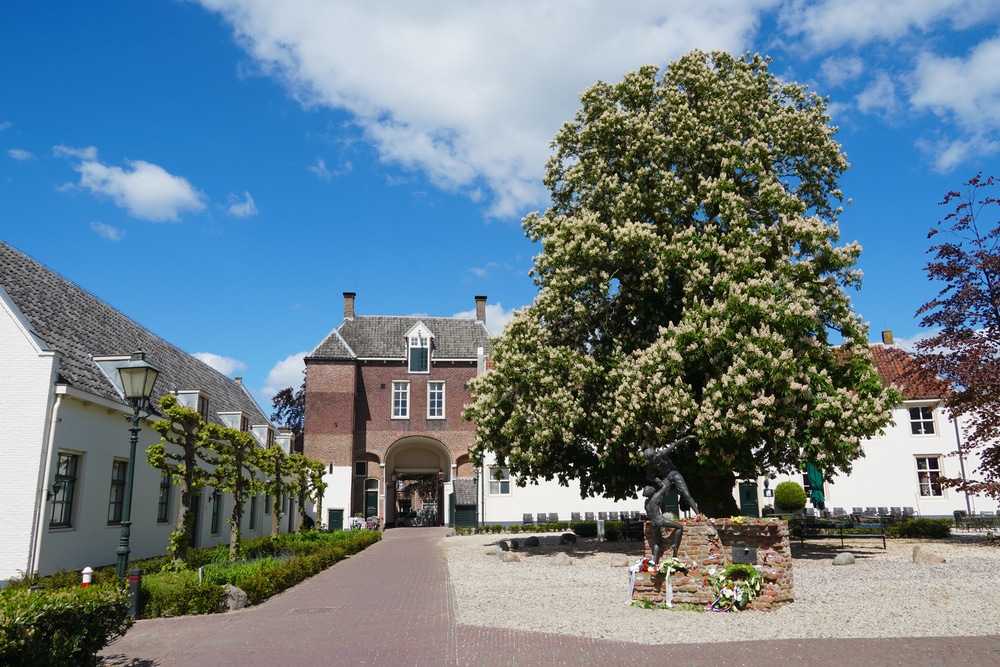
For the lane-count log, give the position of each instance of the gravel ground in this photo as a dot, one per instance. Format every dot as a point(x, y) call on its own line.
point(884, 594)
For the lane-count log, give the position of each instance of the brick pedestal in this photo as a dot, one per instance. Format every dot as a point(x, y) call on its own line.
point(710, 544)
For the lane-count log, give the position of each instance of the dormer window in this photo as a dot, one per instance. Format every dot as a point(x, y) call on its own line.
point(418, 349)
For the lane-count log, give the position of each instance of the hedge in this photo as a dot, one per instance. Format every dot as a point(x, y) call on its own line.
point(60, 627)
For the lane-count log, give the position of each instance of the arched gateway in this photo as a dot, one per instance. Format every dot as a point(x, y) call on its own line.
point(417, 469)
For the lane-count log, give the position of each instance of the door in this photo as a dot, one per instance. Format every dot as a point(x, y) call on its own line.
point(748, 500)
point(371, 504)
point(335, 519)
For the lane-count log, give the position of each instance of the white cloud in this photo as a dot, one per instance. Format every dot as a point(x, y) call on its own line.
point(489, 267)
point(320, 170)
point(839, 70)
point(285, 373)
point(242, 208)
point(910, 344)
point(107, 231)
point(225, 365)
point(830, 24)
point(19, 154)
point(470, 94)
point(966, 89)
point(496, 317)
point(879, 96)
point(4, 124)
point(145, 190)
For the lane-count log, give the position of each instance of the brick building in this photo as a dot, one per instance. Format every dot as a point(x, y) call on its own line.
point(384, 399)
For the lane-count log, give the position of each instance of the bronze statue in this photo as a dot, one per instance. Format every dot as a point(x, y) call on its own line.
point(658, 461)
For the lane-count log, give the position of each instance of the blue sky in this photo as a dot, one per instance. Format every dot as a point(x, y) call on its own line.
point(221, 171)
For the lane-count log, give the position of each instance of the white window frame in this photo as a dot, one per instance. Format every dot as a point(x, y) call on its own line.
point(499, 486)
point(116, 497)
point(924, 419)
point(435, 386)
point(927, 475)
point(400, 399)
point(65, 498)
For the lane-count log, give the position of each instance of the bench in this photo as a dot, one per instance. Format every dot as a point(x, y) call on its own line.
point(818, 529)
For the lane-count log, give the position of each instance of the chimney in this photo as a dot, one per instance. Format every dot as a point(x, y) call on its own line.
point(887, 337)
point(481, 309)
point(349, 305)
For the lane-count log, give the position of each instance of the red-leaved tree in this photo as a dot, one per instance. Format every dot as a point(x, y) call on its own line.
point(965, 348)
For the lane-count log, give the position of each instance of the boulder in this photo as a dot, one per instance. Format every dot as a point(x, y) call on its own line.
point(921, 555)
point(619, 560)
point(511, 557)
point(845, 558)
point(567, 538)
point(492, 550)
point(531, 541)
point(561, 558)
point(235, 598)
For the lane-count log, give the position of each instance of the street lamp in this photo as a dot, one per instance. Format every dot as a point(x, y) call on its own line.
point(138, 378)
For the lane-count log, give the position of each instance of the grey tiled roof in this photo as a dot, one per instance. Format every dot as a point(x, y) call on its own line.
point(383, 337)
point(465, 491)
point(79, 326)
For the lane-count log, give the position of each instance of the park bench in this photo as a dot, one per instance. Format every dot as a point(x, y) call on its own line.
point(805, 528)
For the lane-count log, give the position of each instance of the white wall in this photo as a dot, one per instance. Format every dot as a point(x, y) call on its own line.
point(338, 493)
point(27, 373)
point(547, 497)
point(887, 475)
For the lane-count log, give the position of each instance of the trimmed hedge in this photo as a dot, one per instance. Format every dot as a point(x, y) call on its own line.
point(937, 529)
point(789, 497)
point(60, 627)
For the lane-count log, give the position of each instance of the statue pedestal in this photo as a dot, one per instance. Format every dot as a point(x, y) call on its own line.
point(709, 544)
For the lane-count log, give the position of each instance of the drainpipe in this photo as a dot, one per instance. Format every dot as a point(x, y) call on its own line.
point(35, 547)
point(961, 464)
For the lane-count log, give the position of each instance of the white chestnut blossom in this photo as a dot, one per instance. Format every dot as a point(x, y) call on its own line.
point(689, 282)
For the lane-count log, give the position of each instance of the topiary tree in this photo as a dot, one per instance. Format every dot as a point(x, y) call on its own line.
point(789, 497)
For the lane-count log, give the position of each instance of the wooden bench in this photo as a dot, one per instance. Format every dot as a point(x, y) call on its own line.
point(819, 529)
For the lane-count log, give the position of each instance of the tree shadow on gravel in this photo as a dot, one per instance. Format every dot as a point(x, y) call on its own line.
point(551, 543)
point(828, 549)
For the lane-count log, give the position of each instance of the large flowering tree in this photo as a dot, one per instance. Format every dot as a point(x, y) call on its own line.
point(689, 283)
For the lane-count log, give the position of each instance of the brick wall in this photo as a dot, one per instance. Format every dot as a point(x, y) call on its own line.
point(710, 544)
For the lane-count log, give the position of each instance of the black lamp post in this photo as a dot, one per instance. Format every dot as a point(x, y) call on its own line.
point(137, 378)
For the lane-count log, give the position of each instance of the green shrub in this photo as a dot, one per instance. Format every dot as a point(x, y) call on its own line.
point(178, 594)
point(937, 529)
point(789, 497)
point(232, 572)
point(515, 529)
point(60, 627)
point(585, 528)
point(612, 530)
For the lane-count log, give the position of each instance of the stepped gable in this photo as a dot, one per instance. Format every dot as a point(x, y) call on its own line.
point(73, 322)
point(383, 337)
point(899, 369)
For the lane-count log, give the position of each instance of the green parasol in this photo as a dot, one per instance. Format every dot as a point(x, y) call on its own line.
point(815, 478)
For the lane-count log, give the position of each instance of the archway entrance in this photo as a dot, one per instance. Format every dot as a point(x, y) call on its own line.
point(417, 468)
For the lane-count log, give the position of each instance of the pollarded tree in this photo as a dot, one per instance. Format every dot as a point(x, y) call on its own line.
point(189, 461)
point(689, 281)
point(240, 457)
point(306, 482)
point(276, 470)
point(965, 348)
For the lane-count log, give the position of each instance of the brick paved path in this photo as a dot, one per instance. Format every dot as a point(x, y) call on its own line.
point(392, 605)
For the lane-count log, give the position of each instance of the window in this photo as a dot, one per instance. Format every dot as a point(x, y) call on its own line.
point(360, 468)
point(216, 511)
point(435, 400)
point(922, 420)
point(64, 490)
point(119, 469)
point(267, 503)
point(253, 512)
point(244, 423)
point(203, 406)
point(400, 400)
point(420, 352)
point(499, 481)
point(929, 476)
point(163, 502)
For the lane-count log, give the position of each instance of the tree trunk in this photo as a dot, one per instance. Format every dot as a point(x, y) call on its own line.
point(713, 491)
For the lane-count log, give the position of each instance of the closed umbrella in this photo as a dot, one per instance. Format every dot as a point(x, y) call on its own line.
point(815, 478)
